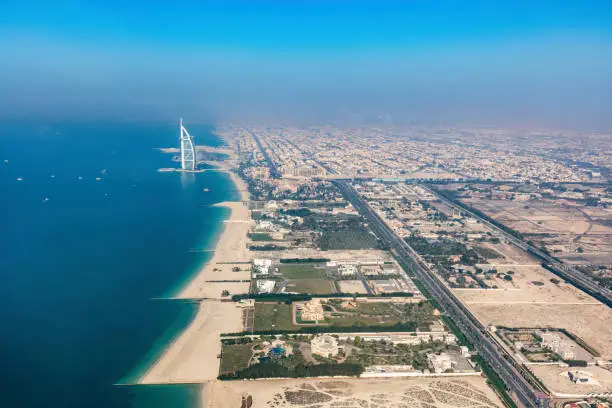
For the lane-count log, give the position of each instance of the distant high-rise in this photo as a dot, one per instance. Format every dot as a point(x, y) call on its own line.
point(188, 156)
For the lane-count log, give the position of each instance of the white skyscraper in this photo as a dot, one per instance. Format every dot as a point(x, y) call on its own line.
point(188, 156)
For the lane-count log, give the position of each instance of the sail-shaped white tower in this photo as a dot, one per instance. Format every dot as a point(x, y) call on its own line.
point(188, 156)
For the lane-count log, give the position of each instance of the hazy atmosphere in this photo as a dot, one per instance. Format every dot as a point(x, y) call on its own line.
point(357, 204)
point(509, 63)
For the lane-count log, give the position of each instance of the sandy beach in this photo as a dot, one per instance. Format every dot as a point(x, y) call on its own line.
point(241, 186)
point(193, 356)
point(230, 254)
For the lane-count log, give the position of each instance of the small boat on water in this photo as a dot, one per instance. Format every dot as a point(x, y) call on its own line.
point(206, 190)
point(19, 178)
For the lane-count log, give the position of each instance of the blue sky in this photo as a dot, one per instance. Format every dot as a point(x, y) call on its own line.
point(509, 60)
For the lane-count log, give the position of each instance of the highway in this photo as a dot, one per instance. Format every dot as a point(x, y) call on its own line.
point(271, 165)
point(522, 391)
point(570, 274)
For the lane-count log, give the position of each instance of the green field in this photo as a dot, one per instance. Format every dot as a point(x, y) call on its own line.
point(273, 316)
point(260, 236)
point(356, 238)
point(382, 313)
point(235, 357)
point(305, 278)
point(301, 271)
point(312, 286)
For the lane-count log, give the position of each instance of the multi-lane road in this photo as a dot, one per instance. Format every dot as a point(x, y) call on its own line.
point(523, 392)
point(565, 271)
point(271, 163)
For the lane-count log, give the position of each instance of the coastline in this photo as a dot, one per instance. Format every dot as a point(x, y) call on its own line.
point(192, 357)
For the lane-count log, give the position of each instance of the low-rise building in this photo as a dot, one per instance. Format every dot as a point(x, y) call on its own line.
point(311, 310)
point(347, 269)
point(440, 363)
point(262, 266)
point(265, 286)
point(557, 344)
point(324, 345)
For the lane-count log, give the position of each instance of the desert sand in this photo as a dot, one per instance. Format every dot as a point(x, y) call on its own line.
point(558, 383)
point(589, 322)
point(544, 305)
point(352, 393)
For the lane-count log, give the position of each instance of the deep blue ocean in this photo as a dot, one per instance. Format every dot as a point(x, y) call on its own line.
point(82, 260)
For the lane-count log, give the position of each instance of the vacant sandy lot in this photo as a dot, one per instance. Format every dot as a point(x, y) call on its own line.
point(545, 304)
point(558, 383)
point(561, 225)
point(536, 216)
point(530, 284)
point(511, 254)
point(353, 393)
point(589, 322)
point(352, 256)
point(352, 286)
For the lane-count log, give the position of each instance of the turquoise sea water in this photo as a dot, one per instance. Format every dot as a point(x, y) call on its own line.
point(83, 259)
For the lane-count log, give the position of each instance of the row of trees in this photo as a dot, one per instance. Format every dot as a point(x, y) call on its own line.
point(289, 298)
point(398, 327)
point(303, 260)
point(270, 369)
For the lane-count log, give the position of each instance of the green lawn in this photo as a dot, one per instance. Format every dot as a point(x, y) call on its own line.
point(382, 313)
point(273, 316)
point(301, 271)
point(356, 238)
point(378, 308)
point(356, 320)
point(260, 236)
point(312, 286)
point(235, 357)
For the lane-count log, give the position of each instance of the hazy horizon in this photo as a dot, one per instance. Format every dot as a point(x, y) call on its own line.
point(541, 65)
